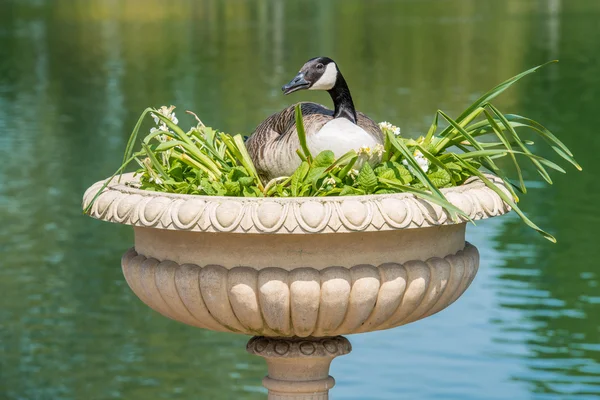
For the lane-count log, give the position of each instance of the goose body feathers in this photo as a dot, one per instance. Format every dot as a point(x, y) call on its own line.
point(274, 143)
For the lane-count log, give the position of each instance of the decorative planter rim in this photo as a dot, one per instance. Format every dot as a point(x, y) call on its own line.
point(121, 203)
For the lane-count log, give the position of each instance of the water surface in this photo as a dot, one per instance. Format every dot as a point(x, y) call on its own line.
point(74, 76)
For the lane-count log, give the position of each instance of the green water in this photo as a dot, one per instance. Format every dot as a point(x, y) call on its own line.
point(74, 76)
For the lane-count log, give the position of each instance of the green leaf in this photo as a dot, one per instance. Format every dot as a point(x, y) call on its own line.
point(507, 125)
point(351, 191)
point(386, 191)
point(558, 146)
point(509, 201)
point(131, 142)
point(155, 163)
point(237, 173)
point(487, 160)
point(347, 159)
point(434, 161)
point(493, 93)
point(246, 181)
point(453, 166)
point(367, 180)
point(440, 178)
point(302, 132)
point(451, 208)
point(324, 159)
point(423, 178)
point(252, 191)
point(506, 142)
point(344, 171)
point(219, 188)
point(314, 174)
point(432, 130)
point(109, 180)
point(237, 147)
point(245, 158)
point(233, 188)
point(176, 172)
point(402, 173)
point(494, 152)
point(298, 178)
point(386, 173)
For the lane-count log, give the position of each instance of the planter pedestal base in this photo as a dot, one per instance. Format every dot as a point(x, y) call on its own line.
point(298, 367)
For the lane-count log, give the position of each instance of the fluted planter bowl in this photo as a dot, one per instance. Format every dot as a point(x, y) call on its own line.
point(307, 269)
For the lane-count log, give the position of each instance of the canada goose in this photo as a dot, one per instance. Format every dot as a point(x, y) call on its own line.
point(273, 144)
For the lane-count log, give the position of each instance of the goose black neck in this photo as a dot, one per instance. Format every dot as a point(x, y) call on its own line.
point(342, 100)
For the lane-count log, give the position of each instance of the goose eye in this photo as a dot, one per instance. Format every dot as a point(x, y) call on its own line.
point(319, 66)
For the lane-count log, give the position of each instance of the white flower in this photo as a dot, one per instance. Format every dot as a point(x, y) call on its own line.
point(329, 181)
point(387, 126)
point(378, 150)
point(165, 112)
point(161, 128)
point(156, 180)
point(421, 160)
point(364, 150)
point(168, 112)
point(353, 173)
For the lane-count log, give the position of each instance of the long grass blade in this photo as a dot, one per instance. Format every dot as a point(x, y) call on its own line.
point(302, 132)
point(432, 130)
point(559, 147)
point(442, 202)
point(506, 199)
point(155, 163)
point(435, 161)
point(342, 160)
point(109, 180)
point(133, 138)
point(423, 178)
point(500, 134)
point(503, 152)
point(542, 171)
point(246, 159)
point(493, 93)
point(181, 135)
point(488, 163)
point(344, 172)
point(185, 158)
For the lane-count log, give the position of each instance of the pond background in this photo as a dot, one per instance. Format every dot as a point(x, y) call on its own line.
point(74, 76)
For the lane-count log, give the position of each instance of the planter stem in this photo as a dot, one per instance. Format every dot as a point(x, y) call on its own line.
point(298, 367)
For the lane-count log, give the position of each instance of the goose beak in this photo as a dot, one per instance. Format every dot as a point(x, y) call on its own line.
point(297, 83)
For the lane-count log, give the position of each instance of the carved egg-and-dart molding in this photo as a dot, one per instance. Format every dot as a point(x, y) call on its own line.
point(123, 204)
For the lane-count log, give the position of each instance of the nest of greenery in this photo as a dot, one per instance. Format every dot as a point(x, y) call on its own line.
point(204, 161)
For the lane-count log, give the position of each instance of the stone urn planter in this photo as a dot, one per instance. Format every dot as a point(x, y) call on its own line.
point(296, 273)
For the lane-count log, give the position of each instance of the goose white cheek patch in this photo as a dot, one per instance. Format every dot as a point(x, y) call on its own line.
point(327, 80)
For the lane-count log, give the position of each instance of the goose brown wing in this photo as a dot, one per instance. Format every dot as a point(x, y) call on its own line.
point(277, 134)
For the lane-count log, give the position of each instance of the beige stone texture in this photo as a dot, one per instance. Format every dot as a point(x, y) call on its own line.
point(296, 272)
point(298, 367)
point(124, 204)
point(303, 301)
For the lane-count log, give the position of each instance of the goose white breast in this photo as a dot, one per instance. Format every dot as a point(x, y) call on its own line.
point(340, 136)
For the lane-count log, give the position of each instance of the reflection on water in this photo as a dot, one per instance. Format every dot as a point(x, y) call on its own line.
point(75, 74)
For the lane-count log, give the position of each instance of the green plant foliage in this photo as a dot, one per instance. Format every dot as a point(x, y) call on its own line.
point(367, 180)
point(204, 161)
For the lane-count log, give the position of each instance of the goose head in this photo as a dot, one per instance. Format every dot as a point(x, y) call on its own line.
point(320, 73)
